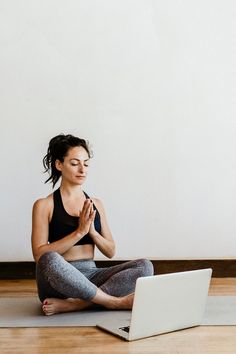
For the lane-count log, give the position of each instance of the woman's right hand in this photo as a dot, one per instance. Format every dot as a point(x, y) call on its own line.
point(86, 217)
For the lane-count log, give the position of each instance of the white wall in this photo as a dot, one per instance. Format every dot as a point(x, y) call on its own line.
point(152, 85)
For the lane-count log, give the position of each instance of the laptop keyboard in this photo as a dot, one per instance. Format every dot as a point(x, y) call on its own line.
point(126, 329)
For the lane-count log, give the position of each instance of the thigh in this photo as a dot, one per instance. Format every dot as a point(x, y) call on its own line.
point(87, 267)
point(57, 276)
point(134, 268)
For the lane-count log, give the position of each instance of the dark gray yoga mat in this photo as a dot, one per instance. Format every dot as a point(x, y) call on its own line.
point(26, 312)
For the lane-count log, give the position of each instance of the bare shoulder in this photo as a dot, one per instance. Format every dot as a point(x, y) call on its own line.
point(43, 204)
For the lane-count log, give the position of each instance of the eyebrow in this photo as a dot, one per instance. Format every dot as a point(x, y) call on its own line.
point(79, 159)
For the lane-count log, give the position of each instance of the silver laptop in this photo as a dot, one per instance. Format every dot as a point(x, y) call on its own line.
point(165, 303)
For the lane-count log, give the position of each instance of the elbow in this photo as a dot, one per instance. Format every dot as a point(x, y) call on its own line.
point(38, 253)
point(111, 253)
point(36, 257)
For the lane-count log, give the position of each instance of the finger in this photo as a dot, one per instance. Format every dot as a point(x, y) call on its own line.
point(93, 215)
point(85, 206)
point(91, 210)
point(91, 206)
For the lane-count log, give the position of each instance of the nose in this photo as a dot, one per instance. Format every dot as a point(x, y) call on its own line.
point(81, 168)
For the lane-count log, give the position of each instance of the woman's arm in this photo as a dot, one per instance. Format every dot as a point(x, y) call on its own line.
point(40, 225)
point(103, 241)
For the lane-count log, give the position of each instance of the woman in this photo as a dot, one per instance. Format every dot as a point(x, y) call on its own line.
point(66, 227)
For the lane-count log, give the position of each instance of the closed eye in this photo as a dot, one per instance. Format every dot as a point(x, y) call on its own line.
point(76, 164)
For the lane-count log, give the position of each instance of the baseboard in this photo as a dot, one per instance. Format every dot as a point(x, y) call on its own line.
point(221, 267)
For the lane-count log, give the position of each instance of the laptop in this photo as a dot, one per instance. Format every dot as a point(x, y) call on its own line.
point(165, 303)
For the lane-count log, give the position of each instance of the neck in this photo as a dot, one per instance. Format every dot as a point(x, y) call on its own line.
point(68, 189)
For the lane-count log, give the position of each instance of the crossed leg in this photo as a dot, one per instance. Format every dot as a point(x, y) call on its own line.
point(63, 288)
point(52, 306)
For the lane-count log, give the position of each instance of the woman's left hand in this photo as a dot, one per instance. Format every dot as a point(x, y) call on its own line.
point(92, 227)
point(103, 240)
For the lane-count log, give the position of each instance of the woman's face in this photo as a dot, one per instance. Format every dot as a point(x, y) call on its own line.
point(74, 168)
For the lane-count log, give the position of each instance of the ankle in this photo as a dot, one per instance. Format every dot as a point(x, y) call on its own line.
point(114, 303)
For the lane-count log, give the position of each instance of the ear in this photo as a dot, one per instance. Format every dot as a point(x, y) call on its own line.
point(58, 165)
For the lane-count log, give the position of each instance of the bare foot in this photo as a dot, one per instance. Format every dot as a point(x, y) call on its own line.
point(127, 302)
point(52, 306)
point(122, 303)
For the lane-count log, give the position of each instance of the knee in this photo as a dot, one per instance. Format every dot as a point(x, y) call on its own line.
point(146, 267)
point(48, 258)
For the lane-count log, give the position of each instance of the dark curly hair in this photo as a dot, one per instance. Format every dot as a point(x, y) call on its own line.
point(57, 150)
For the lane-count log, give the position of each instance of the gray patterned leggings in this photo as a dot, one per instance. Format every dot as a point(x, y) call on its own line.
point(59, 278)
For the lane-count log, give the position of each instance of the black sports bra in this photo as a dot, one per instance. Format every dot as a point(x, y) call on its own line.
point(63, 224)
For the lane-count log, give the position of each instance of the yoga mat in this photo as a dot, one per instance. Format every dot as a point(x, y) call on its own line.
point(220, 311)
point(26, 312)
